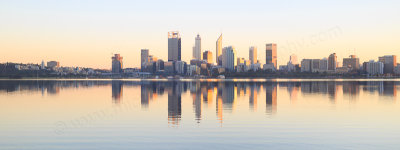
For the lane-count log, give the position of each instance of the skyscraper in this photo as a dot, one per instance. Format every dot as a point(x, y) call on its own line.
point(117, 64)
point(229, 58)
point(207, 56)
point(389, 62)
point(174, 46)
point(197, 48)
point(144, 57)
point(218, 51)
point(253, 55)
point(271, 55)
point(332, 62)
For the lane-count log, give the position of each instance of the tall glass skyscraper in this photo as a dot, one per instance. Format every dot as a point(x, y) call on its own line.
point(218, 51)
point(174, 46)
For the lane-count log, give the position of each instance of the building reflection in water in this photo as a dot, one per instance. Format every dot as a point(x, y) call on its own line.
point(351, 89)
point(219, 105)
point(253, 96)
point(174, 102)
point(271, 97)
point(116, 91)
point(226, 92)
point(195, 90)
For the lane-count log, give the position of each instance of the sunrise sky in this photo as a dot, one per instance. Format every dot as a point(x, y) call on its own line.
point(87, 33)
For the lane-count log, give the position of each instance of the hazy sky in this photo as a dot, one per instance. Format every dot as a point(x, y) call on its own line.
point(86, 33)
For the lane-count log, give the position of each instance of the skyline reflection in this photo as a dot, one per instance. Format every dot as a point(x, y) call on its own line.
point(202, 94)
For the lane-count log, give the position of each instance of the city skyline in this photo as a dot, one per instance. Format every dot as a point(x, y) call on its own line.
point(68, 33)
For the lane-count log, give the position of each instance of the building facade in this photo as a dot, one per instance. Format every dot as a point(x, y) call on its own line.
point(218, 51)
point(144, 55)
point(207, 56)
point(197, 48)
point(253, 55)
point(353, 63)
point(374, 68)
point(117, 64)
point(229, 58)
point(174, 46)
point(271, 54)
point(332, 62)
point(389, 62)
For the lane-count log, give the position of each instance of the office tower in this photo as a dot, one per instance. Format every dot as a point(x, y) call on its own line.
point(332, 62)
point(53, 64)
point(353, 63)
point(197, 48)
point(229, 58)
point(253, 55)
point(207, 56)
point(375, 68)
point(144, 57)
point(390, 62)
point(218, 51)
point(117, 64)
point(271, 55)
point(174, 46)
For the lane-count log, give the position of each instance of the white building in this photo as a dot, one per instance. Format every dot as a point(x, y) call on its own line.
point(180, 67)
point(197, 48)
point(229, 58)
point(375, 68)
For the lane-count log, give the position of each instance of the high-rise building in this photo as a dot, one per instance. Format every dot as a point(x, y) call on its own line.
point(229, 58)
point(218, 51)
point(144, 57)
point(306, 65)
point(117, 64)
point(207, 56)
point(353, 63)
point(332, 62)
point(390, 62)
point(253, 55)
point(271, 55)
point(197, 48)
point(375, 68)
point(323, 65)
point(174, 46)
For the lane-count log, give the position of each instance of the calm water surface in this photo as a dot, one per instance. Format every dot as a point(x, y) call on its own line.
point(199, 114)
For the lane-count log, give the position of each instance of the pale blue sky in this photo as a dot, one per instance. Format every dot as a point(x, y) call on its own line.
point(85, 33)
